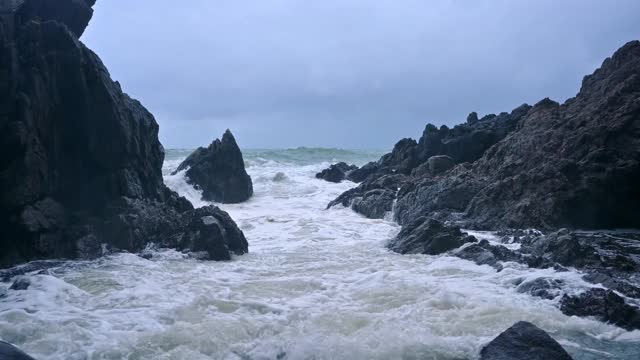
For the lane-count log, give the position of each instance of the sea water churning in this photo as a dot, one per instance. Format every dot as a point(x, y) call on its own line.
point(317, 284)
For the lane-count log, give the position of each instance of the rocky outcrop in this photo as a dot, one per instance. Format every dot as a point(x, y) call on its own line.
point(372, 199)
point(219, 171)
point(336, 172)
point(81, 164)
point(10, 352)
point(547, 166)
point(605, 305)
point(524, 341)
point(428, 236)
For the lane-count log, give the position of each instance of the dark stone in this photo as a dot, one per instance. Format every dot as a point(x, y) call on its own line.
point(549, 166)
point(428, 236)
point(336, 172)
point(374, 204)
point(359, 175)
point(10, 352)
point(219, 171)
point(372, 199)
point(82, 163)
point(74, 14)
point(524, 341)
point(472, 118)
point(545, 288)
point(21, 283)
point(483, 253)
point(605, 305)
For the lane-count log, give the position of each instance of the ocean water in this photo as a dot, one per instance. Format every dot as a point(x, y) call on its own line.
point(317, 284)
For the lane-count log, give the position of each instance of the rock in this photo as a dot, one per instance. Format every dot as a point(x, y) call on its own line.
point(545, 288)
point(10, 352)
point(372, 199)
point(336, 172)
point(219, 171)
point(374, 204)
point(575, 165)
point(63, 192)
point(428, 236)
point(472, 118)
point(524, 341)
point(21, 283)
point(74, 14)
point(605, 305)
point(359, 175)
point(483, 253)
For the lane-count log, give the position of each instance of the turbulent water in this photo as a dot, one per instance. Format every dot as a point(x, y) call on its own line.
point(317, 284)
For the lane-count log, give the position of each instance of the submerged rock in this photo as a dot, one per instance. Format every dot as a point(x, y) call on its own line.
point(605, 305)
point(21, 283)
point(63, 192)
point(219, 171)
point(10, 352)
point(428, 236)
point(336, 172)
point(524, 341)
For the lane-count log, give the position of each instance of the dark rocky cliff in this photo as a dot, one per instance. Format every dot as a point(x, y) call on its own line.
point(81, 163)
point(548, 166)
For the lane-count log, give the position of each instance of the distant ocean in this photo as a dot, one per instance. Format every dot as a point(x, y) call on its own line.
point(317, 284)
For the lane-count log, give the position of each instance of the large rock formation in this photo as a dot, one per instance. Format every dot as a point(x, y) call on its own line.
point(219, 172)
point(429, 236)
point(547, 166)
point(81, 163)
point(524, 341)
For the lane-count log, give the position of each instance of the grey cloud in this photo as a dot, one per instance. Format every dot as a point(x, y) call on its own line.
point(347, 73)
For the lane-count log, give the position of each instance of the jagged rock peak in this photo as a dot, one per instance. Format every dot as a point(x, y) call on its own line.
point(74, 14)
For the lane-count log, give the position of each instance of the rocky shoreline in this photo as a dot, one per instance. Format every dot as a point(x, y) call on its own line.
point(557, 168)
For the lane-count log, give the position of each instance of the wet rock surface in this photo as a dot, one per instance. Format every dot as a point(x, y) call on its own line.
point(336, 172)
point(82, 163)
point(548, 166)
point(428, 236)
point(604, 305)
point(524, 341)
point(219, 171)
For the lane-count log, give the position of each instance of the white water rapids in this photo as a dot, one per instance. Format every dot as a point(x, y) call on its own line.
point(317, 284)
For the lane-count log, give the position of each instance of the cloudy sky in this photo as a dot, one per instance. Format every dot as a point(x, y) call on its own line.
point(347, 73)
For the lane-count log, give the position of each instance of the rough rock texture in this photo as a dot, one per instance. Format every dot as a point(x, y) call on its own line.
point(10, 352)
point(603, 304)
point(372, 199)
point(428, 236)
point(81, 164)
point(524, 341)
point(336, 172)
point(483, 253)
point(219, 172)
point(548, 166)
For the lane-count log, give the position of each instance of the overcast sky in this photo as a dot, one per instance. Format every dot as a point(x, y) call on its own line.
point(347, 73)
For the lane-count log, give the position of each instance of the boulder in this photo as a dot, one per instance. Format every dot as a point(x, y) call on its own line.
point(359, 175)
point(336, 172)
point(524, 341)
point(428, 236)
point(604, 305)
point(10, 352)
point(372, 199)
point(483, 253)
point(82, 163)
point(219, 171)
point(545, 288)
point(21, 283)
